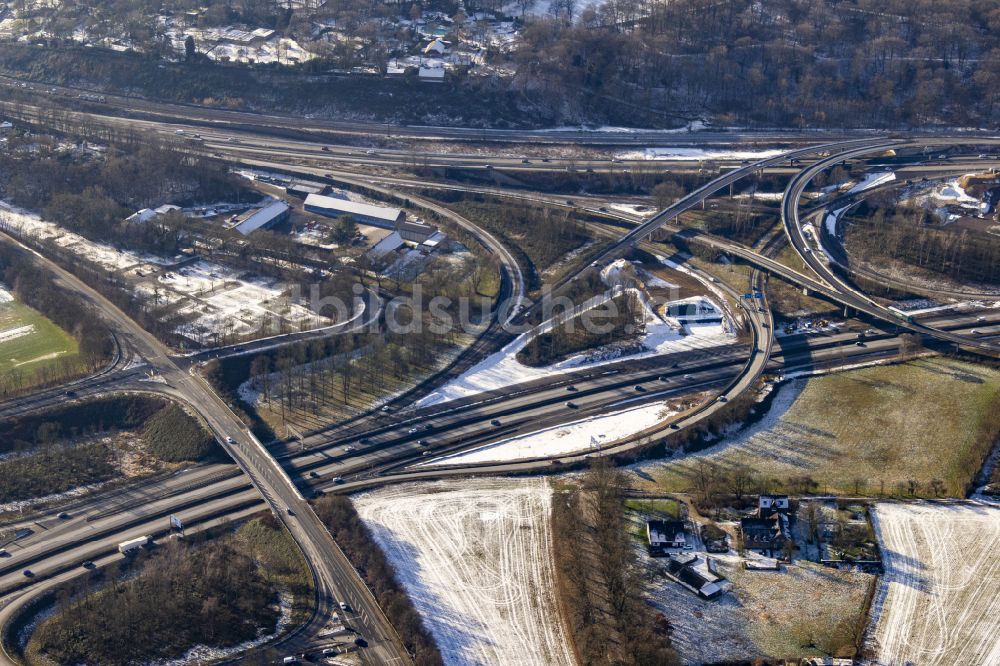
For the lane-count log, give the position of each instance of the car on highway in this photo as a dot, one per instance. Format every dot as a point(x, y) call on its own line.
point(495, 422)
point(289, 510)
point(70, 394)
point(28, 573)
point(87, 564)
point(63, 516)
point(640, 388)
point(344, 607)
point(663, 378)
point(723, 398)
point(571, 404)
point(230, 440)
point(688, 377)
point(385, 408)
point(525, 161)
point(348, 449)
point(421, 442)
point(980, 319)
point(4, 553)
point(571, 388)
point(412, 430)
point(338, 479)
point(314, 474)
point(363, 441)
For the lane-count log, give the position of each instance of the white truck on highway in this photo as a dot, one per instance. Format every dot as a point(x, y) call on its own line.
point(132, 545)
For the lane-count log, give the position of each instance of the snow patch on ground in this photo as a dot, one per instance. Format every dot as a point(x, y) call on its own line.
point(15, 333)
point(758, 437)
point(502, 368)
point(576, 437)
point(474, 557)
point(872, 180)
point(831, 220)
point(695, 154)
point(937, 602)
point(213, 298)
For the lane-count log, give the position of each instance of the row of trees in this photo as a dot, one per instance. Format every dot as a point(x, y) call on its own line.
point(598, 578)
point(37, 288)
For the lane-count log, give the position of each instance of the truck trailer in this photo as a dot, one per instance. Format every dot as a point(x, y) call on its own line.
point(132, 545)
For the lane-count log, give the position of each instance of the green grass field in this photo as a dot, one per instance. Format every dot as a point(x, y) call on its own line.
point(46, 349)
point(868, 431)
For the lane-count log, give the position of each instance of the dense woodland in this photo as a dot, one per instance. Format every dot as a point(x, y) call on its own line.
point(616, 321)
point(912, 236)
point(222, 593)
point(855, 63)
point(75, 445)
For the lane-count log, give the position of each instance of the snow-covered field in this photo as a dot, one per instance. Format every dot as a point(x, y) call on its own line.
point(694, 154)
point(474, 557)
point(575, 437)
point(938, 601)
point(213, 298)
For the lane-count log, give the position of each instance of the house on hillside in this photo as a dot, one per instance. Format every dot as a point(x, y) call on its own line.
point(768, 504)
point(147, 214)
point(764, 534)
point(663, 534)
point(437, 47)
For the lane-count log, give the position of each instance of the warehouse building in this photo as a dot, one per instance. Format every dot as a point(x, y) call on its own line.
point(415, 231)
point(264, 218)
point(376, 216)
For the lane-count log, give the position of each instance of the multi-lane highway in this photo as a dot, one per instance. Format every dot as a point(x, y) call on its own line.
point(335, 578)
point(380, 449)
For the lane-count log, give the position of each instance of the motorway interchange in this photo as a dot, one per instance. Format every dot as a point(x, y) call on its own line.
point(380, 448)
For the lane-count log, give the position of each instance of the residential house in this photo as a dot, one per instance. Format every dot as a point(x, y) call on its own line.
point(663, 534)
point(768, 504)
point(765, 534)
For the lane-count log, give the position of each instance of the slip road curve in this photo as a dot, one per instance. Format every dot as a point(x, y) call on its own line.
point(691, 200)
point(335, 578)
point(849, 295)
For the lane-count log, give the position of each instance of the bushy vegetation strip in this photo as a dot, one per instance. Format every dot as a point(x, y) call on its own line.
point(350, 533)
